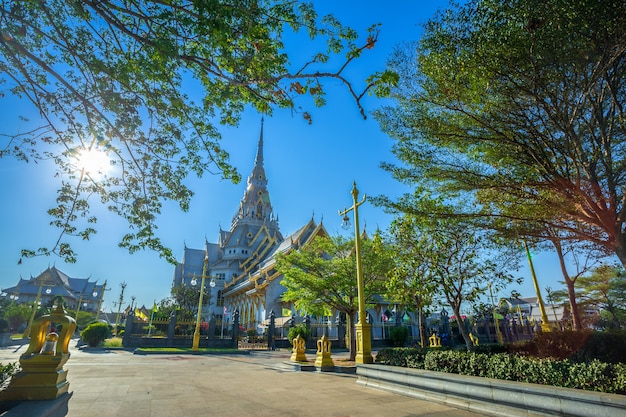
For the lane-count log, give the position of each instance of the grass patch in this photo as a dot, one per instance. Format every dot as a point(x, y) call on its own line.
point(186, 350)
point(114, 342)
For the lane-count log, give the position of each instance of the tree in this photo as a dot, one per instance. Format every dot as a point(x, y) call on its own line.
point(17, 315)
point(407, 283)
point(185, 299)
point(111, 78)
point(322, 275)
point(518, 108)
point(457, 260)
point(605, 289)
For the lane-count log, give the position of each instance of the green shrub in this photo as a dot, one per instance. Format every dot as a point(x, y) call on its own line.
point(490, 348)
point(594, 375)
point(399, 335)
point(4, 325)
point(443, 360)
point(406, 357)
point(7, 371)
point(301, 330)
point(95, 333)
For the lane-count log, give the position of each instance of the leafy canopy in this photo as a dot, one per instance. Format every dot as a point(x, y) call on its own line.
point(517, 108)
point(147, 83)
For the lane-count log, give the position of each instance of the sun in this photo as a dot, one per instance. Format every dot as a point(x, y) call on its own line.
point(94, 161)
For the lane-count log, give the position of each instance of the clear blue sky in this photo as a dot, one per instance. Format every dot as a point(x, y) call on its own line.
point(310, 170)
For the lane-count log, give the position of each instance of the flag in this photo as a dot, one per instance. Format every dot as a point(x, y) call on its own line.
point(140, 314)
point(286, 312)
point(155, 308)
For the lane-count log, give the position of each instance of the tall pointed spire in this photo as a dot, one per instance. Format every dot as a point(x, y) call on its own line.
point(255, 204)
point(259, 150)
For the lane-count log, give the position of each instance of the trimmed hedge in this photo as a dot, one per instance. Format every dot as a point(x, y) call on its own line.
point(593, 376)
point(95, 333)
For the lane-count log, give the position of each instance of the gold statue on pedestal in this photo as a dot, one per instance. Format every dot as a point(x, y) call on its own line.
point(42, 376)
point(323, 359)
point(297, 354)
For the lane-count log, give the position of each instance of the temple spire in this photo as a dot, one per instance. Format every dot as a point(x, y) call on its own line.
point(255, 204)
point(259, 150)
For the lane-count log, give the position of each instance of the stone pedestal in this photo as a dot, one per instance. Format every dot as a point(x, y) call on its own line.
point(298, 350)
point(323, 358)
point(42, 376)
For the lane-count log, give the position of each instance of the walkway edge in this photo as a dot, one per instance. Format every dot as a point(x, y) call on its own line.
point(491, 396)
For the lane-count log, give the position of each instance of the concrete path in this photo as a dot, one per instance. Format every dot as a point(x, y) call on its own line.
point(119, 384)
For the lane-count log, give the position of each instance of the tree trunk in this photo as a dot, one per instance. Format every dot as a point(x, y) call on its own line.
point(422, 326)
point(571, 293)
point(462, 329)
point(619, 248)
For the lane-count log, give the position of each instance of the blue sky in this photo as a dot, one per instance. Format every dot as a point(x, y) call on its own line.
point(310, 170)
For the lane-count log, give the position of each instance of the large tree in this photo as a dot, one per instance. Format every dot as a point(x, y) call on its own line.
point(322, 275)
point(605, 290)
point(408, 283)
point(458, 261)
point(115, 77)
point(518, 107)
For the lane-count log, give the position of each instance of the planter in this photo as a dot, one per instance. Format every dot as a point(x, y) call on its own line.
point(491, 396)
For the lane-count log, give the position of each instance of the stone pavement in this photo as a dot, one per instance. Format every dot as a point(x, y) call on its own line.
point(117, 383)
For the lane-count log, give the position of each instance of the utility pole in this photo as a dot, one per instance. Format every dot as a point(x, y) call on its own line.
point(119, 307)
point(104, 288)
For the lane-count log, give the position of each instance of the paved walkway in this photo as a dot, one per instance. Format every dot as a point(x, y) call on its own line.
point(119, 384)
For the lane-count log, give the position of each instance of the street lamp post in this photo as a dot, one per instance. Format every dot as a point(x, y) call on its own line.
point(35, 305)
point(196, 333)
point(119, 308)
point(80, 300)
point(363, 330)
point(495, 316)
point(545, 326)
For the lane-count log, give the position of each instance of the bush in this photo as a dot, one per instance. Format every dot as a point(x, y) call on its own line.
point(405, 357)
point(95, 333)
point(4, 325)
point(7, 371)
point(301, 330)
point(399, 335)
point(594, 375)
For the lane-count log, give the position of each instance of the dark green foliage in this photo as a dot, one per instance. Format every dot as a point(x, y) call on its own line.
point(301, 330)
point(399, 335)
point(594, 375)
point(95, 333)
point(490, 348)
point(7, 371)
point(405, 357)
point(4, 325)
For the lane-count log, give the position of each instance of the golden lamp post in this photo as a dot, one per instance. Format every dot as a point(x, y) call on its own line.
point(80, 301)
point(495, 316)
point(196, 333)
point(545, 327)
point(363, 332)
point(35, 305)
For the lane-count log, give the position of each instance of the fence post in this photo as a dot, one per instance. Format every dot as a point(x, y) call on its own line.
point(307, 324)
point(171, 328)
point(341, 329)
point(128, 329)
point(236, 328)
point(271, 331)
